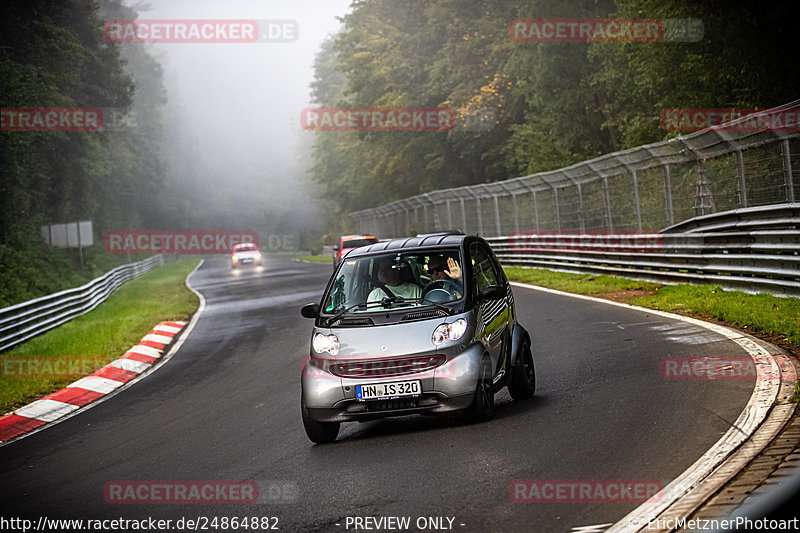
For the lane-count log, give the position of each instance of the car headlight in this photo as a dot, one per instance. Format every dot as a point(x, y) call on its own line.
point(449, 332)
point(326, 343)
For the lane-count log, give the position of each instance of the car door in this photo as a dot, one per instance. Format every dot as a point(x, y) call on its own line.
point(493, 315)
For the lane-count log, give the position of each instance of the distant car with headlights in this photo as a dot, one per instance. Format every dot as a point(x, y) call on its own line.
point(348, 242)
point(245, 253)
point(419, 325)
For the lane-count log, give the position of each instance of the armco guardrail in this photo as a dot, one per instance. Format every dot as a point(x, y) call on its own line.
point(21, 322)
point(755, 261)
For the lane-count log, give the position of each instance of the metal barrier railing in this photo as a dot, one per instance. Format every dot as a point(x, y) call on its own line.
point(753, 250)
point(24, 321)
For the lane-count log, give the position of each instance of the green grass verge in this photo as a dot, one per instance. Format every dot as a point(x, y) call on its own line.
point(320, 258)
point(774, 318)
point(93, 340)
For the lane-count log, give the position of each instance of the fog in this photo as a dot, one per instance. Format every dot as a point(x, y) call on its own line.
point(234, 112)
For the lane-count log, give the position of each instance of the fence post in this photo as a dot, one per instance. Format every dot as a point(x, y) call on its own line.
point(668, 195)
point(497, 216)
point(787, 171)
point(740, 176)
point(637, 207)
point(463, 214)
point(449, 215)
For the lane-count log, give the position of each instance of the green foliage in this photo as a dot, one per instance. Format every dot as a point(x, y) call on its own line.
point(551, 104)
point(54, 54)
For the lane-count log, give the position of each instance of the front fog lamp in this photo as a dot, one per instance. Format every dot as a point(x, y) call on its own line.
point(326, 343)
point(449, 332)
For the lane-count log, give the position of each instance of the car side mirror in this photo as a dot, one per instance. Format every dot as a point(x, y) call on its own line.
point(492, 292)
point(310, 310)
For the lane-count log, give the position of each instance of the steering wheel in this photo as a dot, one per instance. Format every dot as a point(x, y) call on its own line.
point(447, 285)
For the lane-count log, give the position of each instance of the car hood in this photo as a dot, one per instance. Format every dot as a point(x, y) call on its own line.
point(392, 340)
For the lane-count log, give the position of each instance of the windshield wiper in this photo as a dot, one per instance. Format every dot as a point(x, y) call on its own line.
point(361, 306)
point(429, 302)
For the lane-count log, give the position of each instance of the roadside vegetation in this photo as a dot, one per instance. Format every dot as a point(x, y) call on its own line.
point(318, 258)
point(772, 318)
point(36, 269)
point(97, 338)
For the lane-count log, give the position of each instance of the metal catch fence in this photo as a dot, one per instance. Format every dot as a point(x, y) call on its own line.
point(642, 189)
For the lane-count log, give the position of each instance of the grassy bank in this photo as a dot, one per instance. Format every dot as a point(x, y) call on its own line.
point(35, 269)
point(93, 340)
point(773, 318)
point(319, 258)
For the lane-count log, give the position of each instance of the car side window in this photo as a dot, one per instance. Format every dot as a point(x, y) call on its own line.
point(483, 273)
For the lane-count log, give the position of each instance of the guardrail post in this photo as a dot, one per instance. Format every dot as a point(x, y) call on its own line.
point(787, 171)
point(740, 176)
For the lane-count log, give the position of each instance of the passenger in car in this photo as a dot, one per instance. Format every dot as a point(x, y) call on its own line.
point(394, 274)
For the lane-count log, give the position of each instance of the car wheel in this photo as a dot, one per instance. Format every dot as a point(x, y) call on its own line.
point(319, 432)
point(483, 404)
point(523, 381)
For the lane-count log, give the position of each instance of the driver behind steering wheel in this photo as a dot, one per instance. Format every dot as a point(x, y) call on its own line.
point(445, 267)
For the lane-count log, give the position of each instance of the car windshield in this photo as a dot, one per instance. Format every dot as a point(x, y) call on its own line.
point(400, 279)
point(246, 248)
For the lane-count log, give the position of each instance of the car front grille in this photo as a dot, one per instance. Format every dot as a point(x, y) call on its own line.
point(372, 368)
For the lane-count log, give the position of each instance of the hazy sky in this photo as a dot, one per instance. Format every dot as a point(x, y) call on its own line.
point(243, 101)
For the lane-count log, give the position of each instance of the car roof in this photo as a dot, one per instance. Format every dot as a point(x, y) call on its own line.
point(243, 244)
point(421, 242)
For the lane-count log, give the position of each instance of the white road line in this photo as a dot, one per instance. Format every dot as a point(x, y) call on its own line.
point(753, 414)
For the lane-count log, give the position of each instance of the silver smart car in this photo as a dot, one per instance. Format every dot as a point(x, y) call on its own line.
point(418, 325)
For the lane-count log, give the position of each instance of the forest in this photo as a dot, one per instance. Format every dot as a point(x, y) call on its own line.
point(527, 107)
point(520, 107)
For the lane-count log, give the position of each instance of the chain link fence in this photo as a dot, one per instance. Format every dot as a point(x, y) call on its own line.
point(643, 189)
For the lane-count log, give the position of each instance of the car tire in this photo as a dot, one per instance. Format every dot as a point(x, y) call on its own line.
point(482, 406)
point(318, 432)
point(523, 381)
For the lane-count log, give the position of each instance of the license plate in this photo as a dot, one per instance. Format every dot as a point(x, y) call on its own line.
point(392, 389)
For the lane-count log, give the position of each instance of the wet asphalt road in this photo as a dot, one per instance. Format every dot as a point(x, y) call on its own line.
point(226, 407)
